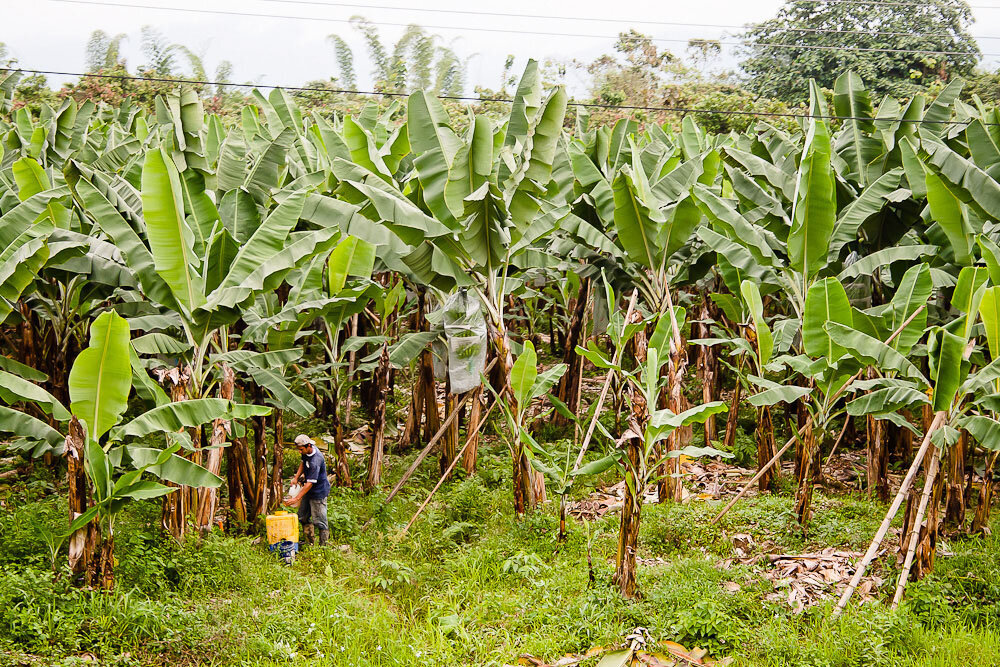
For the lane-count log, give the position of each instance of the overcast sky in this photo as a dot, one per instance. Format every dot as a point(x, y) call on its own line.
point(52, 34)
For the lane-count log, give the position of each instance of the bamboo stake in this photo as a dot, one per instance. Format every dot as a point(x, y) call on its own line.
point(915, 531)
point(458, 457)
point(607, 385)
point(837, 394)
point(437, 436)
point(869, 556)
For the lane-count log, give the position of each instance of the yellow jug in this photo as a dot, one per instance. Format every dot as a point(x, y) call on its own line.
point(282, 526)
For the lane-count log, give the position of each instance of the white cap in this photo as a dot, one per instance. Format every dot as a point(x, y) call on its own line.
point(301, 440)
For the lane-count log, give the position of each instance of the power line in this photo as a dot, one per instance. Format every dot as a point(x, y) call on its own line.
point(553, 17)
point(589, 105)
point(192, 10)
point(890, 3)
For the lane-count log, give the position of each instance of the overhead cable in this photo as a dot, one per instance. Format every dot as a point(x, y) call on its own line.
point(589, 105)
point(222, 12)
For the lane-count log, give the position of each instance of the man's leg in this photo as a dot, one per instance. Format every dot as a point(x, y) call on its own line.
point(305, 521)
point(318, 509)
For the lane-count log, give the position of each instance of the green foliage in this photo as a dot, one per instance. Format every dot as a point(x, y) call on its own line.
point(819, 40)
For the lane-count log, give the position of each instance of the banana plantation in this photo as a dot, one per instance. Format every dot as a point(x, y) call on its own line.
point(623, 394)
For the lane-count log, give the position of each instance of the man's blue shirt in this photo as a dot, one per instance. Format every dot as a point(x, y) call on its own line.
point(314, 470)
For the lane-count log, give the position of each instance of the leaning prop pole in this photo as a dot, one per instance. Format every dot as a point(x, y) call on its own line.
point(840, 392)
point(437, 436)
point(911, 548)
point(939, 419)
point(458, 457)
point(760, 473)
point(607, 385)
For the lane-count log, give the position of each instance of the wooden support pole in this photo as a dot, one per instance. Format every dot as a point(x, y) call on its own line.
point(444, 476)
point(437, 436)
point(869, 556)
point(915, 531)
point(760, 473)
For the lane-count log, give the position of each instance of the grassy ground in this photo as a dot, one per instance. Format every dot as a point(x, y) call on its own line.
point(471, 586)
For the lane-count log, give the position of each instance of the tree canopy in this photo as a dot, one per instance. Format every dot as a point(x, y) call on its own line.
point(828, 38)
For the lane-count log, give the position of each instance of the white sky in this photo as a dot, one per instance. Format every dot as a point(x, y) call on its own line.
point(52, 35)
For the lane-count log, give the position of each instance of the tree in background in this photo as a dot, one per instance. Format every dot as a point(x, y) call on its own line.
point(636, 74)
point(639, 74)
point(104, 51)
point(822, 33)
point(417, 61)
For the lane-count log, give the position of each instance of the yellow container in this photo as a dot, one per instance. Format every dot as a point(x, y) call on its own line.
point(282, 526)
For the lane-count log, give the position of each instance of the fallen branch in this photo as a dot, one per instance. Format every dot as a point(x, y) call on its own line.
point(437, 436)
point(939, 418)
point(915, 531)
point(447, 472)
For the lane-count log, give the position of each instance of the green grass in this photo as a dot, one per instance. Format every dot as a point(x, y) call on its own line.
point(471, 586)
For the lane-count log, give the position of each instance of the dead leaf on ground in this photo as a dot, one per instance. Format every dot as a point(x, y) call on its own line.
point(802, 580)
point(640, 652)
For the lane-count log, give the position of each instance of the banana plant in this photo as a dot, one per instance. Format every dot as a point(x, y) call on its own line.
point(107, 463)
point(476, 204)
point(637, 450)
point(527, 384)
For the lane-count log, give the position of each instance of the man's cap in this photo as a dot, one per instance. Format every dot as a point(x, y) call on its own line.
point(301, 440)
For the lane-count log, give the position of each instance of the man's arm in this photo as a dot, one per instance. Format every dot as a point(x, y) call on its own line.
point(298, 498)
point(298, 473)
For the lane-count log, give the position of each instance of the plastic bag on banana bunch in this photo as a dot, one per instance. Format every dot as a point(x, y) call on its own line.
point(465, 339)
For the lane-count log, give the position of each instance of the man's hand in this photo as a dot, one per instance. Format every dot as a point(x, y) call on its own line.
point(292, 502)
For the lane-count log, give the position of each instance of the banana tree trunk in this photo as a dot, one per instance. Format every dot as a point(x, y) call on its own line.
point(568, 390)
point(208, 499)
point(878, 459)
point(670, 484)
point(706, 373)
point(277, 460)
point(378, 421)
point(237, 515)
point(806, 453)
point(261, 483)
point(342, 471)
point(900, 439)
point(981, 519)
point(475, 416)
point(628, 534)
point(523, 485)
point(432, 420)
point(82, 542)
point(173, 518)
point(706, 364)
point(732, 419)
point(245, 465)
point(765, 448)
point(352, 364)
point(449, 441)
point(954, 517)
point(927, 535)
point(29, 349)
point(550, 311)
point(411, 431)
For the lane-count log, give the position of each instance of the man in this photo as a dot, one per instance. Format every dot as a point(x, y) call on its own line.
point(311, 499)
